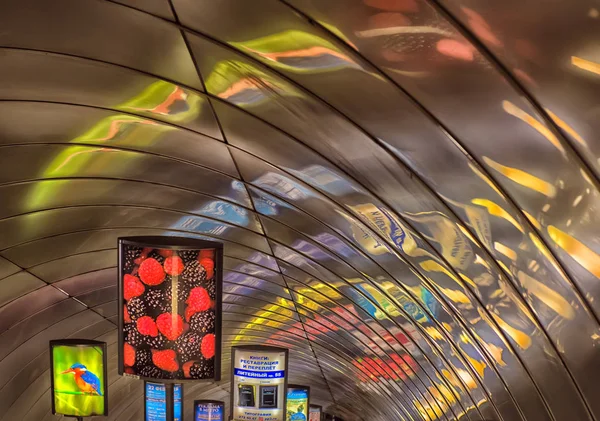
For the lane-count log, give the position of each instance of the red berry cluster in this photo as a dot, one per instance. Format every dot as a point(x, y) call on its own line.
point(169, 313)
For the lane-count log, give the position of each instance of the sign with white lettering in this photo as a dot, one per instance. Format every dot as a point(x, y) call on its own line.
point(259, 383)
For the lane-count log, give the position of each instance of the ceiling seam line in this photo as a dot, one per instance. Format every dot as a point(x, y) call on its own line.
point(135, 227)
point(470, 156)
point(50, 284)
point(141, 115)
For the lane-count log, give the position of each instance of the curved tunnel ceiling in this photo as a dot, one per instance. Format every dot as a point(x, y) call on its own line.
point(407, 191)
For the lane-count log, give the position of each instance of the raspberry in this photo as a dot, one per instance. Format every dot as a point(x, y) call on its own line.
point(189, 312)
point(132, 287)
point(126, 317)
point(128, 355)
point(207, 253)
point(151, 272)
point(209, 265)
point(146, 326)
point(186, 368)
point(173, 265)
point(199, 300)
point(165, 360)
point(165, 252)
point(208, 346)
point(170, 325)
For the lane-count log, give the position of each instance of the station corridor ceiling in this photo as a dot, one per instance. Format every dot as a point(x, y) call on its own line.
point(407, 191)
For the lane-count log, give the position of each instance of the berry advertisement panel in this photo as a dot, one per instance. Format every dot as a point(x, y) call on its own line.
point(258, 383)
point(78, 377)
point(170, 301)
point(209, 410)
point(297, 403)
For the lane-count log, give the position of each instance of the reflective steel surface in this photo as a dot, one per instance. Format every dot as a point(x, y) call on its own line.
point(407, 191)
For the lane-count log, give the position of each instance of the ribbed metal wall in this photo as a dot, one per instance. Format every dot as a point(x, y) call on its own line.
point(407, 191)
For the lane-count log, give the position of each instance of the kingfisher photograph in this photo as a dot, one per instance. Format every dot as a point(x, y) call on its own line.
point(78, 376)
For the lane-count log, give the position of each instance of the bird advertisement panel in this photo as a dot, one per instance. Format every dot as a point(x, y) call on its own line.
point(170, 301)
point(78, 378)
point(259, 383)
point(297, 403)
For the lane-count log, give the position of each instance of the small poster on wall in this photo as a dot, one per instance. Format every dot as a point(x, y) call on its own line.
point(297, 403)
point(209, 410)
point(78, 377)
point(259, 383)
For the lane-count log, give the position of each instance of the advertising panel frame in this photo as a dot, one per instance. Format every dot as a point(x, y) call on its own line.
point(209, 402)
point(301, 387)
point(172, 243)
point(258, 348)
point(79, 343)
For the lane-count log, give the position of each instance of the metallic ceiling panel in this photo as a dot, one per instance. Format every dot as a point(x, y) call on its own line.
point(68, 124)
point(544, 62)
point(159, 8)
point(165, 53)
point(80, 218)
point(60, 269)
point(59, 162)
point(122, 192)
point(81, 241)
point(17, 285)
point(7, 268)
point(28, 305)
point(504, 116)
point(80, 81)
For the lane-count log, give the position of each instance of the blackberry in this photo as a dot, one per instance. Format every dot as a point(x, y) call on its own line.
point(188, 256)
point(143, 357)
point(136, 308)
point(188, 346)
point(156, 342)
point(159, 299)
point(131, 253)
point(193, 274)
point(211, 288)
point(183, 291)
point(132, 336)
point(204, 369)
point(152, 372)
point(154, 254)
point(203, 322)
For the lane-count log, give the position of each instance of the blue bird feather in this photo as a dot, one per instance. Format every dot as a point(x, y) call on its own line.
point(93, 380)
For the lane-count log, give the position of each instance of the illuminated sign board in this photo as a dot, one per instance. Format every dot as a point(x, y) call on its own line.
point(78, 377)
point(315, 413)
point(163, 402)
point(170, 308)
point(297, 403)
point(209, 410)
point(259, 383)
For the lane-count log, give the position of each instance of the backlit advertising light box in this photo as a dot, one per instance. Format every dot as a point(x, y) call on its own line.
point(209, 410)
point(315, 413)
point(170, 308)
point(297, 403)
point(78, 377)
point(163, 402)
point(258, 383)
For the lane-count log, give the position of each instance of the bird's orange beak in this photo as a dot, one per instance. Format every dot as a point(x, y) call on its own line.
point(67, 371)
